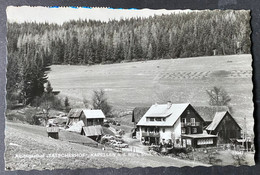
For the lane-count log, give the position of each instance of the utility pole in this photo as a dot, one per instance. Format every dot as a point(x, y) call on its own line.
point(245, 134)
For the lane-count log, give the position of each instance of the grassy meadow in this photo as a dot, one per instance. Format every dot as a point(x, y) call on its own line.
point(143, 83)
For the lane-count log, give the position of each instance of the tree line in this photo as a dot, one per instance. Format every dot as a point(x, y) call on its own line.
point(32, 47)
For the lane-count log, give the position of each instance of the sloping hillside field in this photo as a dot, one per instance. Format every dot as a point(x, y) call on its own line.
point(133, 84)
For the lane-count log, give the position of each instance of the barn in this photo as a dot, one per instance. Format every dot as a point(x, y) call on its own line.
point(225, 127)
point(88, 116)
point(93, 132)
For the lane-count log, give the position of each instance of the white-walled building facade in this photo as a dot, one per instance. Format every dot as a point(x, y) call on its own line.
point(179, 124)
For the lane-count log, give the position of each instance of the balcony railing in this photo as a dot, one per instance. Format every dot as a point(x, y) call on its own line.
point(150, 134)
point(190, 124)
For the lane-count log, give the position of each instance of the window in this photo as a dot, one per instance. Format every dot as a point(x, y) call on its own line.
point(156, 130)
point(205, 142)
point(183, 120)
point(183, 130)
point(158, 119)
point(192, 120)
point(188, 141)
point(164, 119)
point(188, 112)
point(152, 119)
point(145, 129)
point(194, 130)
point(163, 130)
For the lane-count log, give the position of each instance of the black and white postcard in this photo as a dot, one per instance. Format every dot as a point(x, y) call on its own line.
point(102, 87)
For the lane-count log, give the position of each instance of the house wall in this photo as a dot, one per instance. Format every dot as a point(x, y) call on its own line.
point(91, 122)
point(96, 121)
point(227, 129)
point(173, 132)
point(188, 128)
point(167, 133)
point(139, 133)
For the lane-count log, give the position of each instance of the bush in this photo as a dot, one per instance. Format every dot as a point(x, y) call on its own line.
point(10, 117)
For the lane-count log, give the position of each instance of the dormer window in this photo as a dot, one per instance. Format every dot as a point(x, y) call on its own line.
point(151, 119)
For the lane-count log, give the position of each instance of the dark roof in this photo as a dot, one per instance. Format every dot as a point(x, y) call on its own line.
point(138, 113)
point(75, 113)
point(208, 112)
point(217, 119)
point(75, 138)
point(94, 130)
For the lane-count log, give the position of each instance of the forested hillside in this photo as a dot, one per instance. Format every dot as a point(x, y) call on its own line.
point(33, 46)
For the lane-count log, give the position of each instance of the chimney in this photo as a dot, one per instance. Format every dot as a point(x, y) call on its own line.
point(169, 104)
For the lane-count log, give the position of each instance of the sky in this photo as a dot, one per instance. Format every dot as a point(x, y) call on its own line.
point(62, 14)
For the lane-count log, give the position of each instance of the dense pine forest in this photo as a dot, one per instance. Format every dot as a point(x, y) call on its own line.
point(32, 47)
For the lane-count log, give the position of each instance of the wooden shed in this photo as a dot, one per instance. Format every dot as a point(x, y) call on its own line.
point(225, 126)
point(53, 132)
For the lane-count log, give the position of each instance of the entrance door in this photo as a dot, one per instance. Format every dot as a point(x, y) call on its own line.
point(152, 140)
point(184, 143)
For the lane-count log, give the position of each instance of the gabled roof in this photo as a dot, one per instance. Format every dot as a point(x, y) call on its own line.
point(76, 127)
point(74, 113)
point(171, 114)
point(93, 130)
point(208, 112)
point(138, 113)
point(76, 138)
point(93, 113)
point(217, 119)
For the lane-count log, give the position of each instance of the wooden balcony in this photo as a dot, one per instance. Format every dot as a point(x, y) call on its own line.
point(190, 124)
point(150, 134)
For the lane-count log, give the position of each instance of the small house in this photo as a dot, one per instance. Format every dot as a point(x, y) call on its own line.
point(94, 132)
point(92, 117)
point(138, 113)
point(225, 127)
point(88, 116)
point(53, 132)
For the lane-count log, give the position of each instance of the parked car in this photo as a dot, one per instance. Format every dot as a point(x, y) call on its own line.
point(118, 136)
point(107, 136)
point(120, 145)
point(106, 125)
point(124, 145)
point(116, 144)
